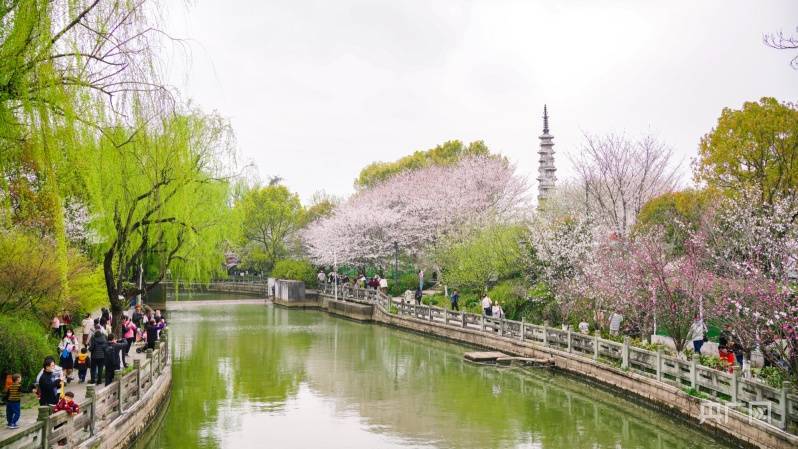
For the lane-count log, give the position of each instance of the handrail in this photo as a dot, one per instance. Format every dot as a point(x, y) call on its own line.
point(100, 408)
point(730, 389)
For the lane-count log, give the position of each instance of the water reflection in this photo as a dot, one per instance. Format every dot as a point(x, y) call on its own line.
point(255, 376)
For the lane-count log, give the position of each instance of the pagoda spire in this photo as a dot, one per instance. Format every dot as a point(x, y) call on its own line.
point(546, 168)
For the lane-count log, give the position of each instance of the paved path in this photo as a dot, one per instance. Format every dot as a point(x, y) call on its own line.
point(29, 414)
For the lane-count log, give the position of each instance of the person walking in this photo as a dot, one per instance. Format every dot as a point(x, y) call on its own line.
point(55, 327)
point(497, 310)
point(97, 348)
point(698, 334)
point(321, 277)
point(87, 328)
point(130, 336)
point(13, 398)
point(421, 279)
point(615, 323)
point(455, 298)
point(487, 305)
point(419, 295)
point(67, 347)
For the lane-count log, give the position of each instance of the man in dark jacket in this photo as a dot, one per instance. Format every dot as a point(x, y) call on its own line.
point(97, 348)
point(112, 350)
point(48, 384)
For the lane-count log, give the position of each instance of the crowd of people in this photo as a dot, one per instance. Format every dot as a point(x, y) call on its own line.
point(375, 282)
point(96, 356)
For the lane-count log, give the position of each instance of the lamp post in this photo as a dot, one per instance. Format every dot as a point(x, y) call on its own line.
point(395, 261)
point(335, 271)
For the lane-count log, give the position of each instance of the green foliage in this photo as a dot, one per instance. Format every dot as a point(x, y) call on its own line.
point(677, 213)
point(31, 283)
point(755, 146)
point(713, 361)
point(773, 376)
point(696, 393)
point(159, 201)
point(512, 295)
point(406, 281)
point(298, 270)
point(488, 255)
point(23, 346)
point(269, 216)
point(448, 153)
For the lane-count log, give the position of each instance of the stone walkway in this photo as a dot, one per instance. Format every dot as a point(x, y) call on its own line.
point(29, 415)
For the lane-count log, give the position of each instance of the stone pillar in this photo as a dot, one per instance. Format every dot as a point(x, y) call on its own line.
point(119, 390)
point(694, 371)
point(44, 417)
point(545, 332)
point(659, 364)
point(137, 368)
point(90, 393)
point(482, 321)
point(463, 318)
point(596, 341)
point(625, 353)
point(523, 328)
point(785, 388)
point(570, 340)
point(501, 327)
point(148, 354)
point(734, 384)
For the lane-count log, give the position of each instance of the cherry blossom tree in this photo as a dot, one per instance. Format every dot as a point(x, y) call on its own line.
point(416, 208)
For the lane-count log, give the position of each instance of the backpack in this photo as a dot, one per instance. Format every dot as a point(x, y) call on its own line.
point(65, 353)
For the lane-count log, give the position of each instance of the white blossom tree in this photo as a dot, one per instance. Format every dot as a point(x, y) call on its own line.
point(620, 176)
point(414, 209)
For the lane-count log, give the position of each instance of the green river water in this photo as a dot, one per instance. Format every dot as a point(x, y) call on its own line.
point(252, 376)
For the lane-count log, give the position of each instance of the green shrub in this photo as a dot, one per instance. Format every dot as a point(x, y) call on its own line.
point(772, 375)
point(297, 270)
point(407, 281)
point(23, 346)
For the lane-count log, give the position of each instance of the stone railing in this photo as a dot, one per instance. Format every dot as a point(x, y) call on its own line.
point(729, 389)
point(100, 408)
point(256, 288)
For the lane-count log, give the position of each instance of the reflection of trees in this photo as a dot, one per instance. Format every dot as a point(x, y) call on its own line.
point(420, 388)
point(233, 361)
point(230, 357)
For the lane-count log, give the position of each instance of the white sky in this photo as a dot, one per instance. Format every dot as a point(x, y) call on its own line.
point(315, 90)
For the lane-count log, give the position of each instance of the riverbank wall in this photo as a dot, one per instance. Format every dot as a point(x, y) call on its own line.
point(648, 377)
point(112, 416)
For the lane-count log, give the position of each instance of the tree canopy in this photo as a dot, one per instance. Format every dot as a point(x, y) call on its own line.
point(753, 147)
point(270, 215)
point(447, 153)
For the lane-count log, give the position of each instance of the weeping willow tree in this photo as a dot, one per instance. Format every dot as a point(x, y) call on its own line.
point(159, 201)
point(65, 66)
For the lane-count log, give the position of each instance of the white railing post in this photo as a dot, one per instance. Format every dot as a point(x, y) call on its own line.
point(694, 371)
point(659, 364)
point(625, 353)
point(545, 333)
point(596, 344)
point(785, 411)
point(734, 384)
point(570, 341)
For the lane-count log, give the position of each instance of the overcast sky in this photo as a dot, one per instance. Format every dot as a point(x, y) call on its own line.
point(315, 90)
